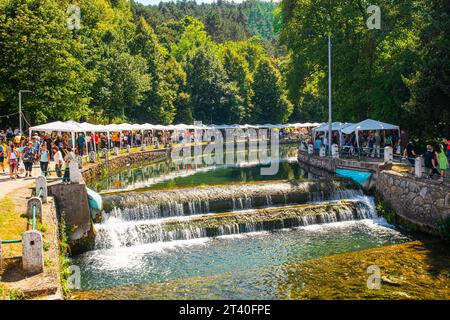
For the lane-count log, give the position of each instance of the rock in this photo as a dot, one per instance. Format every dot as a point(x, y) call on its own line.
point(423, 192)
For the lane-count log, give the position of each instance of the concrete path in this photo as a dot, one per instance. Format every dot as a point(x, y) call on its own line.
point(8, 185)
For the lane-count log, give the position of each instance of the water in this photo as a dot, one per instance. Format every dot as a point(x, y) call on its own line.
point(227, 241)
point(169, 261)
point(173, 174)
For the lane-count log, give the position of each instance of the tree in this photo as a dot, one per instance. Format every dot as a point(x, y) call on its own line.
point(213, 98)
point(238, 72)
point(368, 65)
point(430, 84)
point(39, 53)
point(121, 84)
point(270, 100)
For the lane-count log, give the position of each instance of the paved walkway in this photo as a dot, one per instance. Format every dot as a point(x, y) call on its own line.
point(8, 185)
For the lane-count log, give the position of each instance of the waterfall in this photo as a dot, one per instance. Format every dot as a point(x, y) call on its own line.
point(114, 232)
point(191, 201)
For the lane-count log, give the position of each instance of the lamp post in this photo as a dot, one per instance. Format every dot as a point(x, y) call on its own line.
point(329, 95)
point(20, 108)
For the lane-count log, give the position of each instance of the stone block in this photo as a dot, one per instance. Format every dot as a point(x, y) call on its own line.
point(388, 154)
point(41, 186)
point(419, 167)
point(34, 202)
point(322, 151)
point(92, 157)
point(335, 151)
point(75, 174)
point(32, 252)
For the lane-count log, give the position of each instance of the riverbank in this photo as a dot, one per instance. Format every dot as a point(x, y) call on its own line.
point(15, 284)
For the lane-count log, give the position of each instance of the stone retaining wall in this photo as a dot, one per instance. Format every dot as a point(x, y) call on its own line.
point(331, 164)
point(115, 163)
point(419, 201)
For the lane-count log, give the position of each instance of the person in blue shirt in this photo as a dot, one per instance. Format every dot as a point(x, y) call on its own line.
point(80, 144)
point(318, 143)
point(29, 155)
point(44, 157)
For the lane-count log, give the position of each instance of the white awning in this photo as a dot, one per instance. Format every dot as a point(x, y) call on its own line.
point(56, 126)
point(368, 125)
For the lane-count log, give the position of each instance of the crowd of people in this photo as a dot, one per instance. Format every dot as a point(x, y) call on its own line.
point(370, 143)
point(19, 153)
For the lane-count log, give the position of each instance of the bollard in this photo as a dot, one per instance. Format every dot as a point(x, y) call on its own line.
point(34, 202)
point(310, 149)
point(32, 252)
point(74, 172)
point(302, 146)
point(128, 148)
point(41, 186)
point(80, 162)
point(143, 147)
point(322, 151)
point(388, 154)
point(116, 151)
point(419, 167)
point(334, 151)
point(92, 157)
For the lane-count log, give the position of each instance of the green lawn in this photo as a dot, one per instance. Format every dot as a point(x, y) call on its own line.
point(11, 227)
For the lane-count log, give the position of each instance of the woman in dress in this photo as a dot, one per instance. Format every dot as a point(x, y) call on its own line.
point(443, 162)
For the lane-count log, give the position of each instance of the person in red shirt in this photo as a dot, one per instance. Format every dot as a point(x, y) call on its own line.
point(448, 148)
point(94, 138)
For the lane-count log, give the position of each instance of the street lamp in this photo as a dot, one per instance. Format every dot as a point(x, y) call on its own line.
point(329, 95)
point(20, 108)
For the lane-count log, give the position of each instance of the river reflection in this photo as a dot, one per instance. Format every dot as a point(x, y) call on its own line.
point(189, 171)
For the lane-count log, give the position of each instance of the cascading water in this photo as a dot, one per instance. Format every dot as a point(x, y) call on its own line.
point(176, 219)
point(191, 201)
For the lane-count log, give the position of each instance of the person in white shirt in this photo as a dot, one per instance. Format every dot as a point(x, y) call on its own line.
point(59, 161)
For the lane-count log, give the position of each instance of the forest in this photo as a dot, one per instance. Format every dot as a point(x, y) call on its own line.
point(225, 62)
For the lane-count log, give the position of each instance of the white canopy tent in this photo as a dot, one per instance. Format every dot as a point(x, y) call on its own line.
point(58, 126)
point(369, 125)
point(74, 127)
point(335, 126)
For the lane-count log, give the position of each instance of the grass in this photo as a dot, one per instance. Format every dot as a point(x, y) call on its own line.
point(64, 257)
point(6, 294)
point(385, 210)
point(11, 227)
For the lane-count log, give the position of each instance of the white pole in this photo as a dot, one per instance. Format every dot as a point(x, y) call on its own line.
point(20, 111)
point(329, 95)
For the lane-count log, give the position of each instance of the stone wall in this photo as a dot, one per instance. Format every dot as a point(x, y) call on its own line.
point(116, 163)
point(331, 164)
point(73, 207)
point(419, 201)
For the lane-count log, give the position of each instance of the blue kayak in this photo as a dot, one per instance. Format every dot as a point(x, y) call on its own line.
point(95, 201)
point(360, 177)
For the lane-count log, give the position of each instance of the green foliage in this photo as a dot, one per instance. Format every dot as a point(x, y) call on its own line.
point(270, 99)
point(444, 228)
point(430, 84)
point(133, 63)
point(64, 255)
point(223, 20)
point(39, 53)
point(385, 210)
point(213, 98)
point(395, 74)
